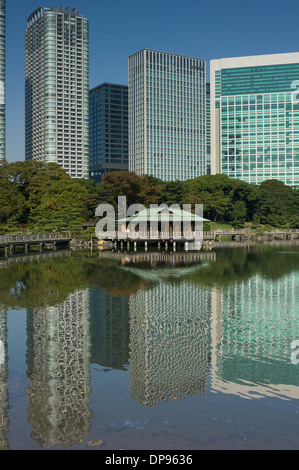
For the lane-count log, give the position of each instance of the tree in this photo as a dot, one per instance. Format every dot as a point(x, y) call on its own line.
point(150, 190)
point(256, 220)
point(215, 193)
point(42, 195)
point(11, 200)
point(294, 222)
point(143, 190)
point(63, 201)
point(123, 183)
point(238, 215)
point(174, 192)
point(277, 203)
point(216, 206)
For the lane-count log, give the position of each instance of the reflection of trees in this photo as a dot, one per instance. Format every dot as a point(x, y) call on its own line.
point(239, 264)
point(40, 284)
point(45, 283)
point(108, 275)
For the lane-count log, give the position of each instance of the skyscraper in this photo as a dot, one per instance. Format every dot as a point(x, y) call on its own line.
point(57, 89)
point(167, 99)
point(208, 128)
point(255, 118)
point(2, 80)
point(108, 130)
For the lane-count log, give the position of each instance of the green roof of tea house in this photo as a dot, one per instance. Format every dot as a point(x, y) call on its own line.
point(163, 214)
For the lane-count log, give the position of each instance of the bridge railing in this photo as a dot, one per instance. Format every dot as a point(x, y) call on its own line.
point(10, 239)
point(187, 235)
point(247, 231)
point(6, 239)
point(285, 230)
point(153, 235)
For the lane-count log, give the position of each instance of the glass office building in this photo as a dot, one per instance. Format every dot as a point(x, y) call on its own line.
point(2, 80)
point(57, 89)
point(167, 111)
point(108, 130)
point(208, 128)
point(255, 118)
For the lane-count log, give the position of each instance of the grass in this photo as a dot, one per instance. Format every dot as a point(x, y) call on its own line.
point(220, 226)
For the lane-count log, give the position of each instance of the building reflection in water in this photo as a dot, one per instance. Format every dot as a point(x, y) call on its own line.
point(243, 329)
point(169, 328)
point(176, 338)
point(58, 359)
point(110, 331)
point(169, 342)
point(253, 324)
point(4, 398)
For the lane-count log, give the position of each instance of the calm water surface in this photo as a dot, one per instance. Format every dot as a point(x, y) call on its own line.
point(150, 350)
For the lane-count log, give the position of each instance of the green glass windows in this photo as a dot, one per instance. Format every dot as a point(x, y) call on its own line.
point(258, 80)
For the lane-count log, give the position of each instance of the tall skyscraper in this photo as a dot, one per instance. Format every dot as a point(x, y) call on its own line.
point(255, 118)
point(167, 99)
point(208, 129)
point(108, 130)
point(57, 89)
point(2, 80)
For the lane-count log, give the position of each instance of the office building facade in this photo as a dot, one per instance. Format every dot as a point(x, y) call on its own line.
point(108, 130)
point(167, 99)
point(2, 80)
point(208, 129)
point(57, 89)
point(255, 118)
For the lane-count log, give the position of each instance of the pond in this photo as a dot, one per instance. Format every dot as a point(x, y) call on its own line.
point(158, 350)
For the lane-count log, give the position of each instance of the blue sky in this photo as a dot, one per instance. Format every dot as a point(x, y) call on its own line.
point(205, 29)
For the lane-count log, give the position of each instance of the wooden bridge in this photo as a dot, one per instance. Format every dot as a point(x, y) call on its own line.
point(250, 234)
point(41, 241)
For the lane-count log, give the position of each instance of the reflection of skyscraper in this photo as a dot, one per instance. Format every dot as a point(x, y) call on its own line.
point(253, 324)
point(58, 360)
point(170, 342)
point(4, 401)
point(2, 79)
point(110, 330)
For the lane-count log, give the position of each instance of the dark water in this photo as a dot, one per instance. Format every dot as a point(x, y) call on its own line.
point(163, 351)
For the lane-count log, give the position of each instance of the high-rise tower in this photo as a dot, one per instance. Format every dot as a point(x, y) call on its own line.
point(208, 129)
point(167, 99)
point(57, 89)
point(108, 130)
point(2, 80)
point(255, 118)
